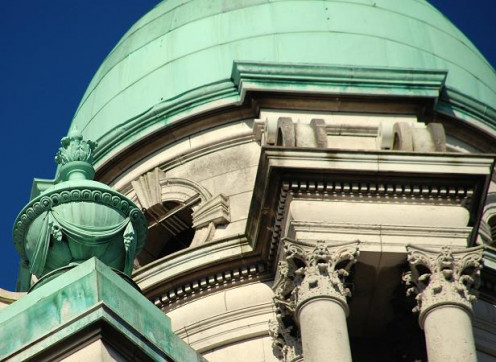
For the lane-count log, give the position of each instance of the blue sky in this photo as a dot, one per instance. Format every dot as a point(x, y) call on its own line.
point(49, 51)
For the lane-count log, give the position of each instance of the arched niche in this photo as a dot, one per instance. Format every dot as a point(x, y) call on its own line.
point(180, 214)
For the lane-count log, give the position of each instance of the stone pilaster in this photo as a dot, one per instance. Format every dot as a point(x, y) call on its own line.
point(445, 283)
point(310, 292)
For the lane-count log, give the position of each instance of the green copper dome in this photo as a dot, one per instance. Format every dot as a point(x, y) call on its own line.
point(181, 45)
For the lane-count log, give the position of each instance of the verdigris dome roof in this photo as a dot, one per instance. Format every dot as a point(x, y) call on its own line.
point(181, 45)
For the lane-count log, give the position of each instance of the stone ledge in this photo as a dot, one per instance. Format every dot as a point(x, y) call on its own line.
point(55, 315)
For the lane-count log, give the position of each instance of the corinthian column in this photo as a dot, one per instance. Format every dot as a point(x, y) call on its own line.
point(445, 281)
point(310, 291)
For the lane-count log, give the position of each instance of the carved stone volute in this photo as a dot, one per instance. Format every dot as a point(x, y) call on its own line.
point(443, 277)
point(308, 272)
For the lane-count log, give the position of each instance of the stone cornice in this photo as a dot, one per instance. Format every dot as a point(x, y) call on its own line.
point(467, 108)
point(162, 275)
point(174, 297)
point(249, 76)
point(408, 163)
point(387, 191)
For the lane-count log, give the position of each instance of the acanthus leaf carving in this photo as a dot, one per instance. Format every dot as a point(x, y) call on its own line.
point(303, 274)
point(443, 277)
point(286, 342)
point(323, 271)
point(75, 148)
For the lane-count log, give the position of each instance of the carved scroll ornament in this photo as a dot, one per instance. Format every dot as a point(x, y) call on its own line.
point(443, 277)
point(305, 274)
point(154, 188)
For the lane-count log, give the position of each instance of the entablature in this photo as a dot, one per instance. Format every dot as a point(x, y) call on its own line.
point(360, 177)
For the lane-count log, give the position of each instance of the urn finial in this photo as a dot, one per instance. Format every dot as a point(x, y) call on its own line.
point(76, 157)
point(78, 218)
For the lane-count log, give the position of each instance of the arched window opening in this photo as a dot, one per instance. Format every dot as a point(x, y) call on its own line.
point(170, 232)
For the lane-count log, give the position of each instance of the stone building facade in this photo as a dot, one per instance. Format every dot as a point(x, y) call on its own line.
point(316, 177)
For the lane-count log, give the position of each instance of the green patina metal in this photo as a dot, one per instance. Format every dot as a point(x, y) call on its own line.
point(256, 76)
point(88, 295)
point(78, 218)
point(183, 46)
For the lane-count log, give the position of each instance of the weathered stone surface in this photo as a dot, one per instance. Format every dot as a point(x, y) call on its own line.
point(310, 294)
point(443, 277)
point(444, 282)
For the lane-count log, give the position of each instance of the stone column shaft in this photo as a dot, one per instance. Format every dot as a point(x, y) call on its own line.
point(310, 292)
point(324, 333)
point(448, 335)
point(444, 281)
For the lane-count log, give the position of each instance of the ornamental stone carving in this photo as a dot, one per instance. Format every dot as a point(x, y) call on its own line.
point(288, 133)
point(154, 188)
point(419, 137)
point(286, 341)
point(307, 272)
point(443, 277)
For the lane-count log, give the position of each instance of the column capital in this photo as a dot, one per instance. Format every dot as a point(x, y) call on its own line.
point(308, 271)
point(443, 277)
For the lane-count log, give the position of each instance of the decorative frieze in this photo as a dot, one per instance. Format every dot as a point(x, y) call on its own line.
point(280, 213)
point(207, 284)
point(443, 277)
point(444, 194)
point(365, 191)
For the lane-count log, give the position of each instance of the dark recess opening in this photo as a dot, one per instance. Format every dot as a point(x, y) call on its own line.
point(169, 233)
